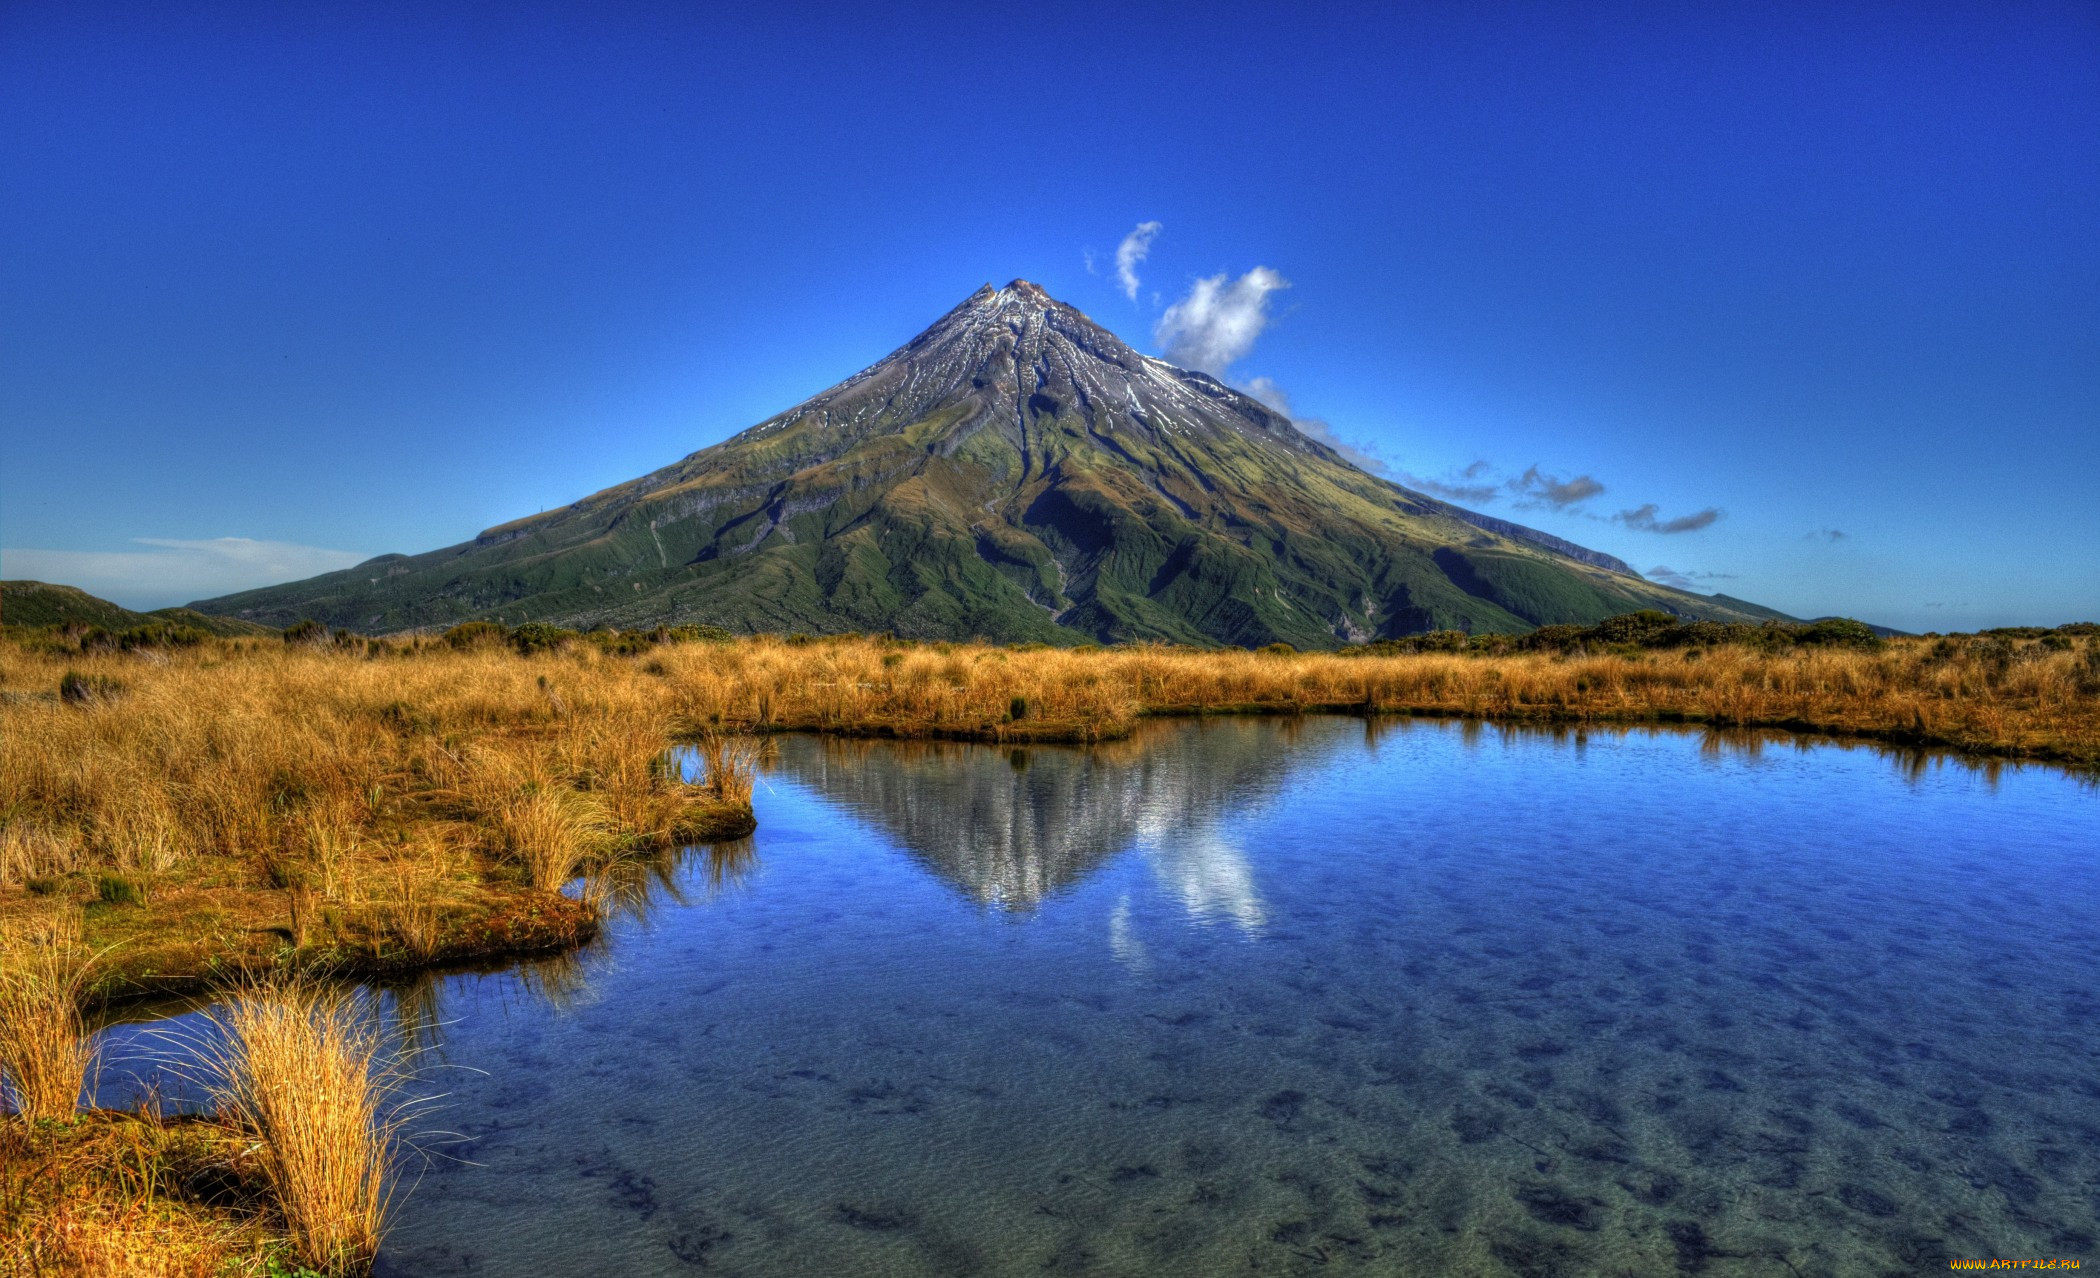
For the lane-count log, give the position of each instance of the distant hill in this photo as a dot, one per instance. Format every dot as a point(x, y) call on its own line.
point(35, 605)
point(1884, 632)
point(1014, 472)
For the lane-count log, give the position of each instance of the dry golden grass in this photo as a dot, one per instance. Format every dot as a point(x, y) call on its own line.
point(271, 797)
point(45, 1053)
point(376, 794)
point(307, 1071)
point(115, 1195)
point(2022, 699)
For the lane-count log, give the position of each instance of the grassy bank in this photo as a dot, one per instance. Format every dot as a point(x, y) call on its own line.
point(371, 807)
point(290, 1176)
point(130, 1195)
point(234, 807)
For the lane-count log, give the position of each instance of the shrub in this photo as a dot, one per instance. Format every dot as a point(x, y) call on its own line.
point(477, 634)
point(307, 631)
point(539, 636)
point(1639, 628)
point(1552, 638)
point(1838, 632)
point(624, 643)
point(161, 634)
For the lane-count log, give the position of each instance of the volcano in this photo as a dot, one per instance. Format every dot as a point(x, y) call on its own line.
point(1015, 473)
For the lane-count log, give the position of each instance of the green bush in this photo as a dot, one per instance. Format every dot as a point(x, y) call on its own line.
point(623, 643)
point(161, 634)
point(306, 631)
point(538, 636)
point(1638, 628)
point(1838, 632)
point(1553, 638)
point(477, 634)
point(699, 634)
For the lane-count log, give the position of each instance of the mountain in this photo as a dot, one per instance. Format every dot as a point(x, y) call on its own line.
point(38, 604)
point(1014, 472)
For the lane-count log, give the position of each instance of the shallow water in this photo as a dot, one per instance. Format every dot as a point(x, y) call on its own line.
point(1264, 996)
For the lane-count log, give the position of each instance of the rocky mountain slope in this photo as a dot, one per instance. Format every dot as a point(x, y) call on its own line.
point(1014, 472)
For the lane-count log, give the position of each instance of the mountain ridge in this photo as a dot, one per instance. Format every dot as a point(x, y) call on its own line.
point(1015, 472)
point(38, 605)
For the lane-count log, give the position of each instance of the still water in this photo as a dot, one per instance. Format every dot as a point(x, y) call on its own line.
point(1275, 997)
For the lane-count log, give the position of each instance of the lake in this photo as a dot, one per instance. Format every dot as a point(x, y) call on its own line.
point(1274, 996)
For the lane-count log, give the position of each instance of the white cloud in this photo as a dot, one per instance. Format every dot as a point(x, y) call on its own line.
point(1218, 321)
point(1129, 253)
point(173, 571)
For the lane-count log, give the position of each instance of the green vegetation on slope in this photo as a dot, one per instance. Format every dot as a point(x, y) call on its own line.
point(38, 605)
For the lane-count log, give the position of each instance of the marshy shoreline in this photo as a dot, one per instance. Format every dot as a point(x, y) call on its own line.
point(328, 803)
point(205, 815)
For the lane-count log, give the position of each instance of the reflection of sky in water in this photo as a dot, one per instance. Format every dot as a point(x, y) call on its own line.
point(1274, 997)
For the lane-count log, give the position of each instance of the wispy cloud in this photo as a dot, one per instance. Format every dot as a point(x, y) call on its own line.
point(1535, 490)
point(1479, 484)
point(1129, 253)
point(1361, 455)
point(1646, 519)
point(173, 571)
point(1219, 320)
point(1466, 486)
point(1684, 580)
point(1268, 392)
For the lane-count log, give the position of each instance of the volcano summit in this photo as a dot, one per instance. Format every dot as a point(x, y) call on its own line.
point(1014, 472)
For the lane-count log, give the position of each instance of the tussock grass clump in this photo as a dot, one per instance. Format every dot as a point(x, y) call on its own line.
point(308, 1071)
point(547, 829)
point(45, 1053)
point(731, 768)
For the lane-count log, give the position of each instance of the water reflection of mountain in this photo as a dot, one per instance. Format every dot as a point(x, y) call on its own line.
point(1007, 827)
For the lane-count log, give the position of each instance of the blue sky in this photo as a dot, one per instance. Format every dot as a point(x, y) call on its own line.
point(288, 286)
